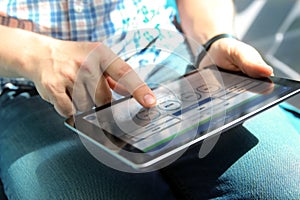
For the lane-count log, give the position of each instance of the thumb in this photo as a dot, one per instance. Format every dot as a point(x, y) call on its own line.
point(249, 61)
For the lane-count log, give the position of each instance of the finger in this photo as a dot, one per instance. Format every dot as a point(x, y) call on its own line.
point(85, 85)
point(99, 91)
point(250, 61)
point(124, 75)
point(80, 97)
point(55, 92)
point(120, 89)
point(91, 86)
point(63, 104)
point(57, 95)
point(42, 92)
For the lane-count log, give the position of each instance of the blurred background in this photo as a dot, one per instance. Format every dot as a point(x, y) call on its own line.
point(273, 28)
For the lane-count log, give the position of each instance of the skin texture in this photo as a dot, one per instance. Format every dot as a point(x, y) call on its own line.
point(53, 65)
point(227, 53)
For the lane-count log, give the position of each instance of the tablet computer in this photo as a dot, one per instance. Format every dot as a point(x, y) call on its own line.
point(189, 110)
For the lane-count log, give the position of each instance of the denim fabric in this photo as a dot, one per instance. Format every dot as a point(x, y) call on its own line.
point(258, 160)
point(41, 159)
point(2, 195)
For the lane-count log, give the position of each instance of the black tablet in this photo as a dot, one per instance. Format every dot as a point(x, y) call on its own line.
point(191, 109)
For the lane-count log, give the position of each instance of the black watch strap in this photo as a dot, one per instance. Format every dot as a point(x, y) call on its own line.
point(208, 44)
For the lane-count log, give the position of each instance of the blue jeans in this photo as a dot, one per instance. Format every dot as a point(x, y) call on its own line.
point(41, 159)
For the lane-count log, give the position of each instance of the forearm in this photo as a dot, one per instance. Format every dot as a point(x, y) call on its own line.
point(20, 50)
point(203, 19)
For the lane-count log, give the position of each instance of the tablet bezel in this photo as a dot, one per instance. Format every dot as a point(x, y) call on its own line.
point(144, 160)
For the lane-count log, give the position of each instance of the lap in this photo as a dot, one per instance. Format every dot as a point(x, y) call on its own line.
point(259, 159)
point(40, 159)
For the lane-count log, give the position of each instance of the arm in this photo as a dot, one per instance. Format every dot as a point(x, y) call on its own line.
point(61, 68)
point(203, 19)
point(15, 45)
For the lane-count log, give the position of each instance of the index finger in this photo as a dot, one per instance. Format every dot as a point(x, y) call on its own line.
point(123, 74)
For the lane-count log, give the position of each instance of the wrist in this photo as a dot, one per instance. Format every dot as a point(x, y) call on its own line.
point(216, 38)
point(206, 40)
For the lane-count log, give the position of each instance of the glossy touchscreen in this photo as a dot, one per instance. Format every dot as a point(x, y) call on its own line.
point(186, 109)
point(190, 109)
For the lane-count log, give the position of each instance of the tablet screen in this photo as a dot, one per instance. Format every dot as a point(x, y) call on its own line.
point(188, 110)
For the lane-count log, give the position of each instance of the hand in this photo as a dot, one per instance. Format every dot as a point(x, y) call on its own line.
point(82, 73)
point(235, 55)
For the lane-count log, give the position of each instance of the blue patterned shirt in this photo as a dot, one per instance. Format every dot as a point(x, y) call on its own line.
point(88, 20)
point(123, 25)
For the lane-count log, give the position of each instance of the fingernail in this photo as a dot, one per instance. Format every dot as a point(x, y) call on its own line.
point(269, 67)
point(270, 70)
point(149, 99)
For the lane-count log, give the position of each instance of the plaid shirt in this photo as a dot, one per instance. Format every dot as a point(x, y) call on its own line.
point(86, 20)
point(92, 20)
